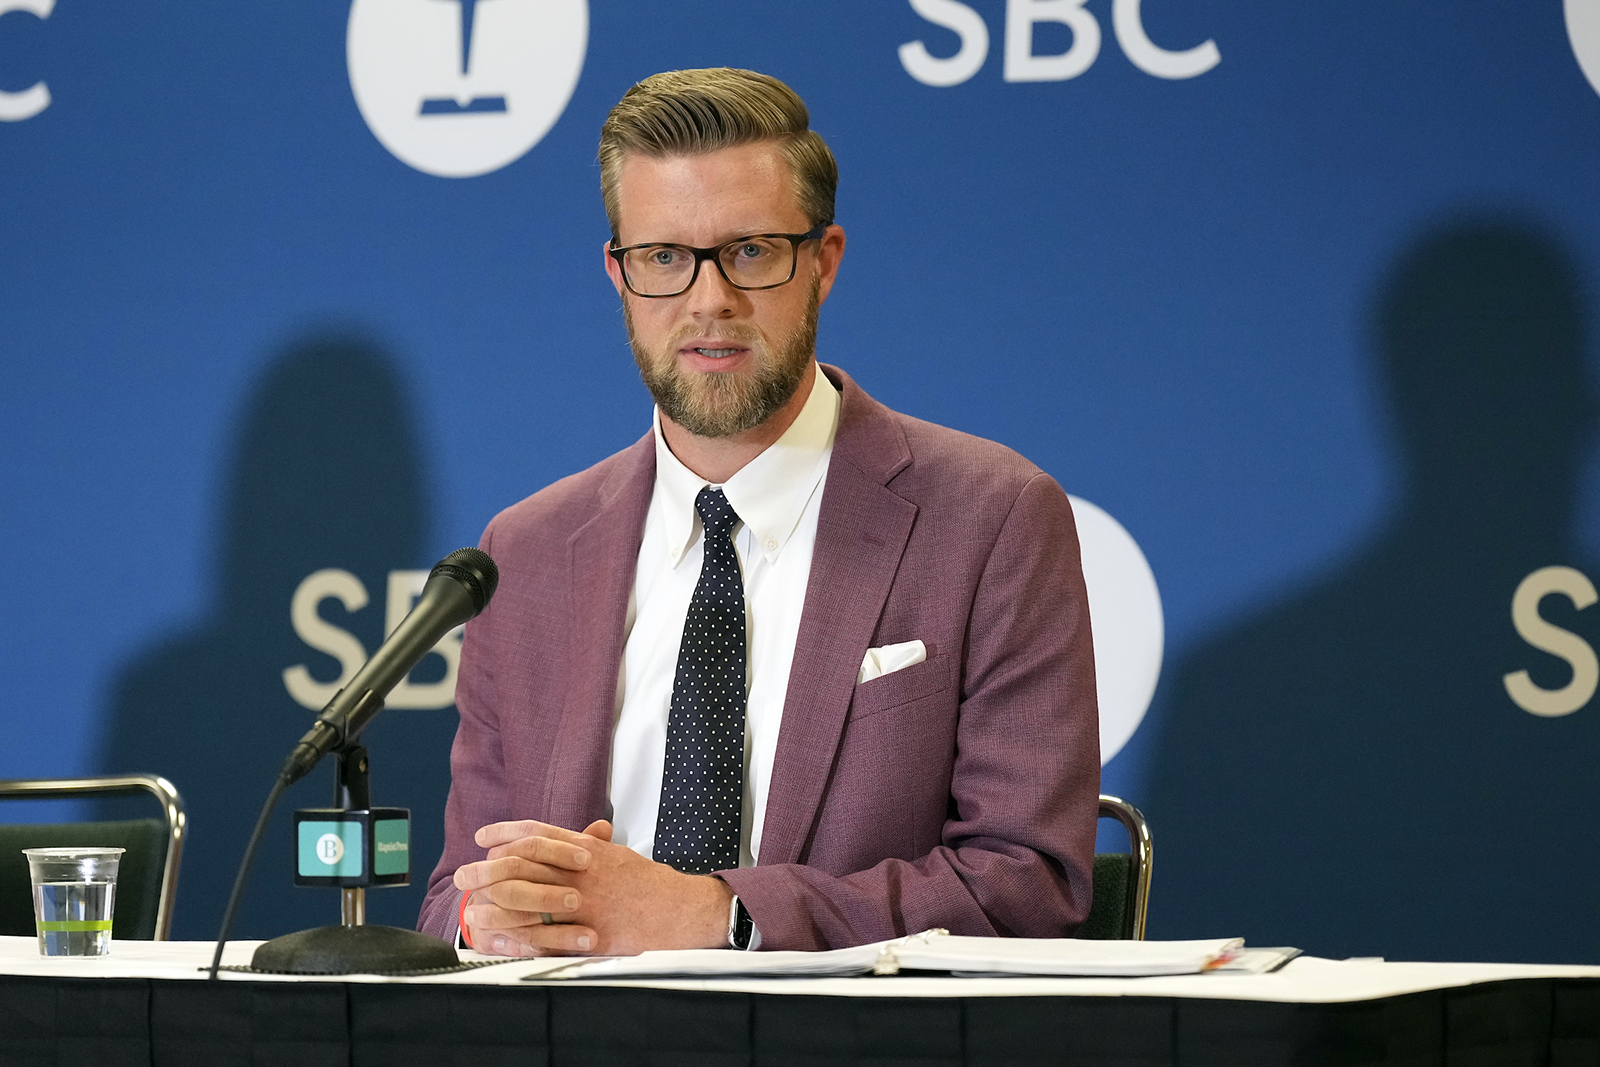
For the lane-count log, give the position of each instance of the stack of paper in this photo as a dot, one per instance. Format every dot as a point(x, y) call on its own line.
point(715, 962)
point(1058, 955)
point(934, 950)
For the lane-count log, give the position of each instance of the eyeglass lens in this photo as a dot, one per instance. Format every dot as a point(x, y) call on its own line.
point(750, 263)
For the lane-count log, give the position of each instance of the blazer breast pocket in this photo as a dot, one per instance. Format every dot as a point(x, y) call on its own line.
point(913, 683)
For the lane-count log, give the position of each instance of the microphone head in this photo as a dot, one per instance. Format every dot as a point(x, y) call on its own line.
point(473, 568)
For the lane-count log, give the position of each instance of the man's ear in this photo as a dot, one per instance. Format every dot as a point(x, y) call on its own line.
point(830, 250)
point(613, 268)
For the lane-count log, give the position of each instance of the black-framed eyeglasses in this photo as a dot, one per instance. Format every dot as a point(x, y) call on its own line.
point(755, 261)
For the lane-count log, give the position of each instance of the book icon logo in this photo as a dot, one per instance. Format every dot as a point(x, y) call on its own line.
point(459, 88)
point(1583, 29)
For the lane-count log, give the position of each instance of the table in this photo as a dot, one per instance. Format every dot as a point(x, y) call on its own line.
point(149, 1003)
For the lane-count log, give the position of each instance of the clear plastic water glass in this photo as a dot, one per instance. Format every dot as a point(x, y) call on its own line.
point(73, 893)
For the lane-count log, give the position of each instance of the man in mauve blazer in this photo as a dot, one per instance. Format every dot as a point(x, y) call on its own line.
point(954, 790)
point(958, 792)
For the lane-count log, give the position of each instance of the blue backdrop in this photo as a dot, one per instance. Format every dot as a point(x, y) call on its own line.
point(1306, 309)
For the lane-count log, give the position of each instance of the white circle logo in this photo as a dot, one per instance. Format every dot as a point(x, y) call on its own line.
point(330, 849)
point(1583, 29)
point(16, 107)
point(1126, 620)
point(460, 88)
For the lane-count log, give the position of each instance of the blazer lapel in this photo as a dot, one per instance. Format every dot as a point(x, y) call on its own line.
point(602, 557)
point(862, 530)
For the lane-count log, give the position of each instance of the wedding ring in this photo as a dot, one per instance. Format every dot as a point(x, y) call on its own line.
point(546, 918)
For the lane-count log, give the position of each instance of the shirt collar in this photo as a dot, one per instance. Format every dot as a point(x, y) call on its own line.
point(769, 493)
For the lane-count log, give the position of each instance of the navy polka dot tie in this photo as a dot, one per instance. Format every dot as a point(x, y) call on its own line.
point(702, 782)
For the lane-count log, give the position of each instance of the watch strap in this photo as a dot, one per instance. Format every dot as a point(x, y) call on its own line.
point(741, 929)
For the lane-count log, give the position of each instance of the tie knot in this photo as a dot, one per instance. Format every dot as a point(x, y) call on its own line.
point(715, 511)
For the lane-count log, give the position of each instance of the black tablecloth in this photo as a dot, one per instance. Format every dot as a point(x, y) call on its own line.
point(112, 1022)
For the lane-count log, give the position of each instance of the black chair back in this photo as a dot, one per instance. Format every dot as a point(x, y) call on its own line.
point(147, 876)
point(1121, 880)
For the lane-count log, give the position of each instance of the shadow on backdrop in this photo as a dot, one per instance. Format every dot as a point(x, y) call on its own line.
point(326, 473)
point(1345, 772)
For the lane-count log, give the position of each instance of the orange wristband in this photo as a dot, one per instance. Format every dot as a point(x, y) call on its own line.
point(461, 920)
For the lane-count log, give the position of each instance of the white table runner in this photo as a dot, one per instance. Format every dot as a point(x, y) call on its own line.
point(1304, 980)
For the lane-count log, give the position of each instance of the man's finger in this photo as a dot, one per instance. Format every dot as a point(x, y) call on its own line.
point(491, 918)
point(496, 918)
point(546, 850)
point(500, 833)
point(530, 897)
point(484, 873)
point(562, 939)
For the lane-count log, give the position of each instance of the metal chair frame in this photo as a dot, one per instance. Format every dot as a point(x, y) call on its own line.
point(114, 784)
point(1132, 820)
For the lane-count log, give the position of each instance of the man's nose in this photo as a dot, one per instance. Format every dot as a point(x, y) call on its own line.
point(711, 296)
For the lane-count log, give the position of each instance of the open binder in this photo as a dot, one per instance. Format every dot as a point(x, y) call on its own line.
point(938, 951)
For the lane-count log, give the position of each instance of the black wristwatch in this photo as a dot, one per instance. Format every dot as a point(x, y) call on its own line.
point(741, 931)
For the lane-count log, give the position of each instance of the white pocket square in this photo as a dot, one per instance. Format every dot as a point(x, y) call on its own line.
point(890, 658)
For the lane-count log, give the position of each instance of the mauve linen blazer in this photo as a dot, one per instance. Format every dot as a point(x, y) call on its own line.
point(959, 792)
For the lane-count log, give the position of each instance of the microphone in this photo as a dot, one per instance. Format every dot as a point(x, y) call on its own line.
point(458, 588)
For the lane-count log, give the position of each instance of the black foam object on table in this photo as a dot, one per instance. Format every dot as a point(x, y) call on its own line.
point(354, 950)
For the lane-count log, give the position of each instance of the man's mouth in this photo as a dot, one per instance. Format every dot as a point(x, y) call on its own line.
point(710, 352)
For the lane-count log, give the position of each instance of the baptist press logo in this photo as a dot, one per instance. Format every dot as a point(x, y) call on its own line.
point(330, 849)
point(459, 88)
point(1583, 30)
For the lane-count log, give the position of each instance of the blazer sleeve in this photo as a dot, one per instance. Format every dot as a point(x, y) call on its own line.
point(1016, 847)
point(478, 793)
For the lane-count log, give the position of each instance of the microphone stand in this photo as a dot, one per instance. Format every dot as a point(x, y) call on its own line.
point(352, 791)
point(353, 947)
point(458, 589)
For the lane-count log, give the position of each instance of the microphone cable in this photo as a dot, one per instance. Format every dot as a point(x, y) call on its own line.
point(278, 786)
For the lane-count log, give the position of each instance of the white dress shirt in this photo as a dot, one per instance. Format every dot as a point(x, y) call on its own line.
point(777, 496)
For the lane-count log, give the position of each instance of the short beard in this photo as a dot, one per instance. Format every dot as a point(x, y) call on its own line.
point(721, 405)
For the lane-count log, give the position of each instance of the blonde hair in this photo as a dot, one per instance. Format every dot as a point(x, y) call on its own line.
point(689, 112)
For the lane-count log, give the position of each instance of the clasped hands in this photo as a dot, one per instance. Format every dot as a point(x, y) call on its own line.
point(603, 898)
